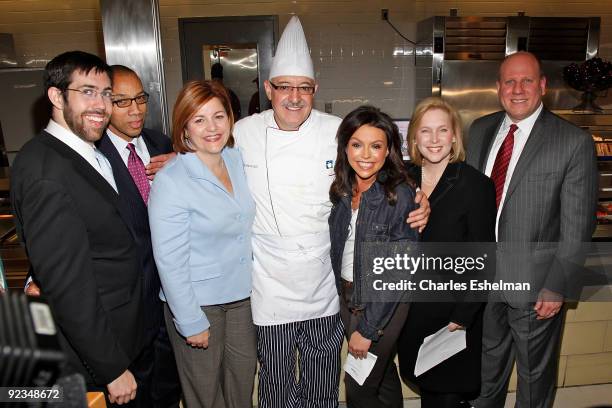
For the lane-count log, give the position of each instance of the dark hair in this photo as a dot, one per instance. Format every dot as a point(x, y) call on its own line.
point(216, 71)
point(122, 69)
point(58, 72)
point(392, 173)
point(192, 97)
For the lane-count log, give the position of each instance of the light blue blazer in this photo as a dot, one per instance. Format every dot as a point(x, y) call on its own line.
point(201, 237)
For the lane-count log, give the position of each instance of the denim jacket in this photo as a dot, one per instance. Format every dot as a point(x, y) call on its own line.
point(377, 221)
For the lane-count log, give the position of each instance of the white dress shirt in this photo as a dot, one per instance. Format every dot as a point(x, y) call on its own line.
point(121, 146)
point(521, 135)
point(86, 150)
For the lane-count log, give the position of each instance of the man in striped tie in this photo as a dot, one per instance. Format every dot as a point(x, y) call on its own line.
point(545, 174)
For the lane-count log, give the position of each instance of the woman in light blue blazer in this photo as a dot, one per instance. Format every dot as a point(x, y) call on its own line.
point(201, 213)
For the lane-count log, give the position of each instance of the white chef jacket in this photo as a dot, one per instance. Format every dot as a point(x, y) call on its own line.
point(289, 174)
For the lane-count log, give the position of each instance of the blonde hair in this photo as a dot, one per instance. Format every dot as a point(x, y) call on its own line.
point(457, 149)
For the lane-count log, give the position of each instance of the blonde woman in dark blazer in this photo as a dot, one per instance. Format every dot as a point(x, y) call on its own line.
point(463, 210)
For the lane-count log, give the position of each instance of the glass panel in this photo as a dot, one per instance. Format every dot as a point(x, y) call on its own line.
point(239, 72)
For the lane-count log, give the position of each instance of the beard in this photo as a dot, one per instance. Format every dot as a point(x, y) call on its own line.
point(76, 123)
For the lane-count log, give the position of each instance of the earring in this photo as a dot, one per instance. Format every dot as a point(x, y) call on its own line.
point(454, 140)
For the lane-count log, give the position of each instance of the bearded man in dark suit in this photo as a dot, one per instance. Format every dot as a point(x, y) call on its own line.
point(76, 229)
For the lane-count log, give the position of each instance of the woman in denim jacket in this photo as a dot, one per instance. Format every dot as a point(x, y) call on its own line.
point(372, 196)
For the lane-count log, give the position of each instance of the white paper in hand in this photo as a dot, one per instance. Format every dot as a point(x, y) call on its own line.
point(360, 369)
point(438, 347)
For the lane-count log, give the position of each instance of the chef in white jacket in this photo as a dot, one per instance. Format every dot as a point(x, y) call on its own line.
point(289, 153)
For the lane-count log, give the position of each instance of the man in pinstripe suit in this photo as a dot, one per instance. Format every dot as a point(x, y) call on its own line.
point(548, 195)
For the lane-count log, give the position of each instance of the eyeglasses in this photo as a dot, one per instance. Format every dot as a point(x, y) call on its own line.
point(91, 93)
point(124, 103)
point(287, 89)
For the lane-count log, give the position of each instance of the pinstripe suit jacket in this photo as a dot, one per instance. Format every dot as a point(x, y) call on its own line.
point(549, 206)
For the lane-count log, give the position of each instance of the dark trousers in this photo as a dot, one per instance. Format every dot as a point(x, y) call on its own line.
point(382, 388)
point(443, 400)
point(156, 375)
point(515, 334)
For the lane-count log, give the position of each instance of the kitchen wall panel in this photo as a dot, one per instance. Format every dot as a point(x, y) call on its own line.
point(357, 57)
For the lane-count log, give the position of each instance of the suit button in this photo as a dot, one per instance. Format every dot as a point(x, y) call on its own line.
point(242, 260)
point(240, 238)
point(238, 217)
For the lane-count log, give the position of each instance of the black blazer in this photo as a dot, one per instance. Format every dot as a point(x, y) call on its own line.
point(82, 251)
point(157, 143)
point(462, 210)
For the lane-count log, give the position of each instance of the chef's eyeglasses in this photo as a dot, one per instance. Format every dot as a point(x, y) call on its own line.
point(287, 89)
point(124, 103)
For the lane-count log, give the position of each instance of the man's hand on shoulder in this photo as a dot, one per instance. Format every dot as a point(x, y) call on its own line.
point(32, 289)
point(418, 218)
point(123, 388)
point(156, 163)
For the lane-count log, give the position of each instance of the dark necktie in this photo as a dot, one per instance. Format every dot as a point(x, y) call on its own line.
point(500, 167)
point(137, 171)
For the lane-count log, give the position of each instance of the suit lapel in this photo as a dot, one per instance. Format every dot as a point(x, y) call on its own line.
point(122, 175)
point(446, 183)
point(96, 181)
point(533, 145)
point(152, 146)
point(489, 138)
point(83, 168)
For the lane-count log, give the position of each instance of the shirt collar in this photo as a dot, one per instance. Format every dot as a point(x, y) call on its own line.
point(524, 125)
point(83, 148)
point(121, 144)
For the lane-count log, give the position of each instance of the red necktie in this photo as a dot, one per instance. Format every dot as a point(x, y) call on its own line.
point(500, 167)
point(137, 171)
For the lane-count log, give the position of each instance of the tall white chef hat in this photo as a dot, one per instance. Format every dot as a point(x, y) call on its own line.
point(292, 53)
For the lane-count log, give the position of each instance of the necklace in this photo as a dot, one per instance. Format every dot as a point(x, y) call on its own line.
point(431, 180)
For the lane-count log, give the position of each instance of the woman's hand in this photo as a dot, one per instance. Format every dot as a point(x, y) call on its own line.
point(358, 345)
point(199, 340)
point(454, 326)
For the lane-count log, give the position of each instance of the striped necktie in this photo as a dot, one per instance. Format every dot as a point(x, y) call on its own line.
point(500, 167)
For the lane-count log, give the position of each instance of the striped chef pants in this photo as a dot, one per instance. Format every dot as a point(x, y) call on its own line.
point(317, 344)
